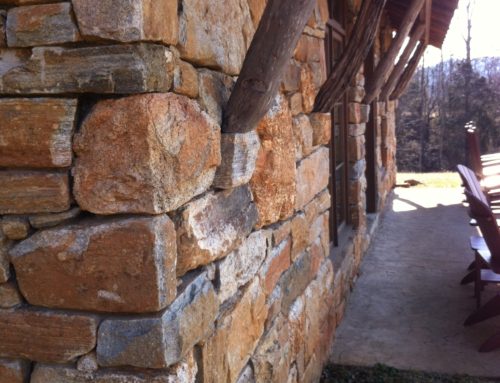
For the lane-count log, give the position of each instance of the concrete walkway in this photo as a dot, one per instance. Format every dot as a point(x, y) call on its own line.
point(407, 307)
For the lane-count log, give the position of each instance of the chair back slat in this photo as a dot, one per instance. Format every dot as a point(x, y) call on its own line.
point(471, 183)
point(488, 225)
point(474, 151)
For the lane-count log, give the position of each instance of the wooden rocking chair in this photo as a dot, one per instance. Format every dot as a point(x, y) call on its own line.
point(491, 257)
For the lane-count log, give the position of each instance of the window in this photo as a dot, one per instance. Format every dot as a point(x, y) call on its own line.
point(339, 162)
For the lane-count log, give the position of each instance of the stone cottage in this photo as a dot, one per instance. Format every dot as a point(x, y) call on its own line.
point(187, 187)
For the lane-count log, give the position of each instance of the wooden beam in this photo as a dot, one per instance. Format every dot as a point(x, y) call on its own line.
point(428, 19)
point(272, 47)
point(403, 60)
point(387, 62)
point(353, 56)
point(405, 79)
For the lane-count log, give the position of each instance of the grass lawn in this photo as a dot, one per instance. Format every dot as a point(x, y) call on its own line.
point(436, 180)
point(384, 374)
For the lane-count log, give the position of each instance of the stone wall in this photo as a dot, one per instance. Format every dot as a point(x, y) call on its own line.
point(137, 242)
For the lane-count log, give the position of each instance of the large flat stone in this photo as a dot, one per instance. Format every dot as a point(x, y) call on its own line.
point(174, 158)
point(183, 372)
point(164, 339)
point(240, 152)
point(24, 192)
point(46, 336)
point(9, 296)
point(225, 354)
point(205, 28)
point(128, 20)
point(241, 265)
point(117, 265)
point(276, 263)
point(274, 355)
point(36, 132)
point(121, 69)
point(273, 181)
point(45, 24)
point(210, 227)
point(14, 370)
point(312, 176)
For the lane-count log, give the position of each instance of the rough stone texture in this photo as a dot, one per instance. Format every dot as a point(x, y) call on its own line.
point(358, 113)
point(14, 370)
point(296, 104)
point(225, 354)
point(36, 132)
point(241, 265)
point(24, 192)
point(5, 245)
point(256, 10)
point(9, 296)
point(26, 2)
point(300, 235)
point(281, 231)
point(295, 280)
point(318, 299)
point(312, 176)
point(46, 24)
point(119, 69)
point(15, 228)
point(291, 78)
point(321, 124)
point(186, 79)
point(215, 90)
point(303, 136)
point(308, 88)
point(210, 227)
point(273, 182)
point(42, 221)
point(115, 265)
point(184, 372)
point(128, 20)
point(273, 357)
point(239, 158)
point(3, 22)
point(174, 157)
point(276, 263)
point(87, 363)
point(356, 148)
point(164, 339)
point(45, 336)
point(309, 49)
point(357, 129)
point(204, 29)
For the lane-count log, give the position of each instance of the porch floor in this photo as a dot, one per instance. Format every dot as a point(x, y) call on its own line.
point(407, 307)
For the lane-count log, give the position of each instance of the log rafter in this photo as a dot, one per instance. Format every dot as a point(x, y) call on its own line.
point(272, 47)
point(410, 69)
point(396, 73)
point(352, 58)
point(387, 62)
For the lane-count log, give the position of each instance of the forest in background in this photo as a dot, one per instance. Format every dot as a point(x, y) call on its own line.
point(439, 101)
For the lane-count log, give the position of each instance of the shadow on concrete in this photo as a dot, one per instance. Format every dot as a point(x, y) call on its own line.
point(407, 307)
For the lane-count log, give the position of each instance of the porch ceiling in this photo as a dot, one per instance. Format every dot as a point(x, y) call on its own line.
point(441, 15)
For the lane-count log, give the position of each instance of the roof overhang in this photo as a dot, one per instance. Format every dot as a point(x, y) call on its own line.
point(441, 14)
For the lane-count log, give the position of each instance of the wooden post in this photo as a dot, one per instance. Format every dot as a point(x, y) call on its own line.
point(387, 61)
point(352, 58)
point(405, 79)
point(403, 60)
point(272, 47)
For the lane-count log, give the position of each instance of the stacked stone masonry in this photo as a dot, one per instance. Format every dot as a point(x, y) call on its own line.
point(137, 242)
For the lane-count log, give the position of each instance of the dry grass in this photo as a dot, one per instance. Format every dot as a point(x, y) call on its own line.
point(435, 180)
